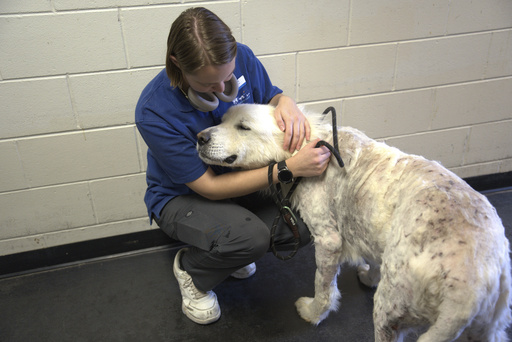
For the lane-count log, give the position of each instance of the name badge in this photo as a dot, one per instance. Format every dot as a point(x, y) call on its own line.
point(241, 81)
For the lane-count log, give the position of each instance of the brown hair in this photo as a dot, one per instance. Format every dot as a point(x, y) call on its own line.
point(197, 38)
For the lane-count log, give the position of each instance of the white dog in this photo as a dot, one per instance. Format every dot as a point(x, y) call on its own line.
point(435, 247)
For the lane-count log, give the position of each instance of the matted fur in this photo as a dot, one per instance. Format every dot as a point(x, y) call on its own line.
point(433, 246)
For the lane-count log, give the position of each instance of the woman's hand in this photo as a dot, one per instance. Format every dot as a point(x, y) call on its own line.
point(310, 161)
point(291, 121)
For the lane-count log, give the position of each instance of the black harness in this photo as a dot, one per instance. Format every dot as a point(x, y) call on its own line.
point(283, 202)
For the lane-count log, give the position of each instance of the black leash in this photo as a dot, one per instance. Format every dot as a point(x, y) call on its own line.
point(285, 211)
point(284, 204)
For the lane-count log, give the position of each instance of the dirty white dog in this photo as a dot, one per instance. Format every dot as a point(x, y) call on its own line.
point(435, 247)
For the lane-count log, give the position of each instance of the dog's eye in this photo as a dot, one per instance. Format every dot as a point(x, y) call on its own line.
point(243, 127)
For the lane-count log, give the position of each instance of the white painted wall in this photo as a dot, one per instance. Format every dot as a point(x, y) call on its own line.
point(430, 77)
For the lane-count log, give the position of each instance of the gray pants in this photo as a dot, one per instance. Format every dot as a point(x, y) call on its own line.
point(224, 235)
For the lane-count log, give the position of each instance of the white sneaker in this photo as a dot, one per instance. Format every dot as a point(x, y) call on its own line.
point(200, 307)
point(245, 272)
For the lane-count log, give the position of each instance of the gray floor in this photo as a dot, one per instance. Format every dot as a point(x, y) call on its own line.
point(134, 297)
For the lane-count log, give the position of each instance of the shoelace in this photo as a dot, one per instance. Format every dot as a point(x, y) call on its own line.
point(192, 289)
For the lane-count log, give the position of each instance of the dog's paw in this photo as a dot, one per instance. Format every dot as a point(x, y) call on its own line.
point(305, 311)
point(369, 277)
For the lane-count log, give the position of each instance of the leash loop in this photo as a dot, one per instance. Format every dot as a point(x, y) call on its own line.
point(291, 220)
point(286, 212)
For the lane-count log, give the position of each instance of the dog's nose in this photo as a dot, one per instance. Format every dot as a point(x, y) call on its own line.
point(203, 138)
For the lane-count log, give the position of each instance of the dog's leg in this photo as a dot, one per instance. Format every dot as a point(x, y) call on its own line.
point(369, 274)
point(389, 309)
point(447, 327)
point(327, 253)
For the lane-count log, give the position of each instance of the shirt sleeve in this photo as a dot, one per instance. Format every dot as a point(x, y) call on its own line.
point(174, 152)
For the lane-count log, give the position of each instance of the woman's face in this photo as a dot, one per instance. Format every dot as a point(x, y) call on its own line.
point(210, 78)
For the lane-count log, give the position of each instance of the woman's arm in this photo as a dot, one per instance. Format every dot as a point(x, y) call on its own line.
point(308, 162)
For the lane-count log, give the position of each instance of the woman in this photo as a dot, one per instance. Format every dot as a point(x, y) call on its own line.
point(189, 200)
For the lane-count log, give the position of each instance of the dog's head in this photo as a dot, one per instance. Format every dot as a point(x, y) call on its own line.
point(248, 137)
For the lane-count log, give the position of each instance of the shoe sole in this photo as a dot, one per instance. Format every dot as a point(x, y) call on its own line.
point(245, 276)
point(197, 320)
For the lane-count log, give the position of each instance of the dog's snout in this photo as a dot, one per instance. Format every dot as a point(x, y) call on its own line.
point(203, 138)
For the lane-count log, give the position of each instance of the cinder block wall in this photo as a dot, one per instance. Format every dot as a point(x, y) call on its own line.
point(430, 77)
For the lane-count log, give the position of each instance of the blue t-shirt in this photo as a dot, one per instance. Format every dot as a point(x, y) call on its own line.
point(169, 125)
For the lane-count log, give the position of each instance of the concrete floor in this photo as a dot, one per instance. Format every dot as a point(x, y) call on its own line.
point(134, 297)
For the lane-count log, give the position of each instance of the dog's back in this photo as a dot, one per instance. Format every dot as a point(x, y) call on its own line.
point(448, 244)
point(445, 258)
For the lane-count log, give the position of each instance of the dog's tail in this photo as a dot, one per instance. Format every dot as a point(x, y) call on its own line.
point(493, 327)
point(502, 315)
point(481, 312)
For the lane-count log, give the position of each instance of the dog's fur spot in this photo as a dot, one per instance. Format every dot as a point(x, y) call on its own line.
point(438, 244)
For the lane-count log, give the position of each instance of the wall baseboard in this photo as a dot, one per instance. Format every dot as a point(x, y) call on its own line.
point(15, 264)
point(490, 182)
